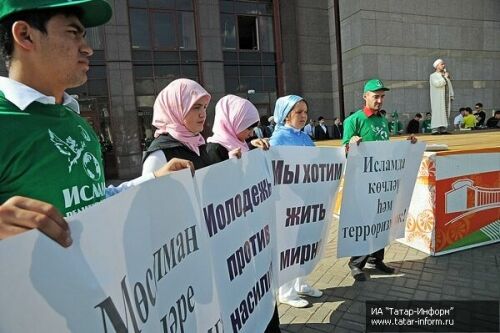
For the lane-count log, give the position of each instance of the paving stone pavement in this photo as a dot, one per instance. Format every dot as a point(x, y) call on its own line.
point(472, 274)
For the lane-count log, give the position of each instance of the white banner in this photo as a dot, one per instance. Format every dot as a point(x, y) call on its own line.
point(378, 186)
point(237, 203)
point(177, 254)
point(305, 182)
point(134, 265)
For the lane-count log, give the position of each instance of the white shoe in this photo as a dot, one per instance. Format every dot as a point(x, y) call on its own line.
point(295, 302)
point(312, 292)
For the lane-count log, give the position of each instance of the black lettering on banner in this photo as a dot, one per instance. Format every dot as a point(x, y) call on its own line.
point(372, 165)
point(247, 306)
point(304, 214)
point(299, 255)
point(177, 315)
point(217, 328)
point(383, 186)
point(109, 310)
point(166, 258)
point(285, 173)
point(218, 218)
point(237, 261)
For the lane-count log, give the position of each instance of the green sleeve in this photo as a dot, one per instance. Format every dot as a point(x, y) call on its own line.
point(349, 129)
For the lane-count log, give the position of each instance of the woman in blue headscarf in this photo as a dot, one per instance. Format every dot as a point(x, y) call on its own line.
point(290, 114)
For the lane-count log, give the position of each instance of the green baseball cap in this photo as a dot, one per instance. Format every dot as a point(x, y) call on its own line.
point(95, 12)
point(374, 85)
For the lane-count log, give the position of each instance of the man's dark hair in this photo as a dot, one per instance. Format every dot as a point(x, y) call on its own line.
point(36, 18)
point(428, 114)
point(468, 109)
point(320, 118)
point(418, 115)
point(479, 104)
point(461, 109)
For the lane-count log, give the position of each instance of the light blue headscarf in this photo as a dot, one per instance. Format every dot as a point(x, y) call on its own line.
point(283, 135)
point(283, 107)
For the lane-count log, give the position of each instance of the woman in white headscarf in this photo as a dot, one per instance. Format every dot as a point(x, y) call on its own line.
point(441, 92)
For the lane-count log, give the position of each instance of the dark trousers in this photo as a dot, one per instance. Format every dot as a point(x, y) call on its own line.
point(373, 258)
point(274, 324)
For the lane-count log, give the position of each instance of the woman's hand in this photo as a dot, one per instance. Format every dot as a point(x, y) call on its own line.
point(412, 138)
point(261, 143)
point(235, 153)
point(356, 139)
point(175, 164)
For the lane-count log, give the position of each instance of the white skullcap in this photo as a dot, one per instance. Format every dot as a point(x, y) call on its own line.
point(437, 62)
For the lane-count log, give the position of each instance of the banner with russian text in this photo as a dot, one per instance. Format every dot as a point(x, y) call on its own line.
point(138, 263)
point(379, 182)
point(305, 181)
point(237, 203)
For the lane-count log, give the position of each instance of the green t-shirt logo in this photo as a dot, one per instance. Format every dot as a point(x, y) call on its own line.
point(73, 150)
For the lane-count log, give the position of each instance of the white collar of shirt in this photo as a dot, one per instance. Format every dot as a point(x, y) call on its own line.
point(293, 128)
point(22, 96)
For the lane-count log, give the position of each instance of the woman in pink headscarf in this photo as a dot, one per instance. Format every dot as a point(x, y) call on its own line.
point(235, 120)
point(179, 114)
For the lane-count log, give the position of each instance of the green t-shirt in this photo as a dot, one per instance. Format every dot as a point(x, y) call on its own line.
point(373, 128)
point(51, 154)
point(426, 126)
point(398, 125)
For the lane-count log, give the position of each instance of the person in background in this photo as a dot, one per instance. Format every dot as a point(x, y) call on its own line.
point(441, 92)
point(395, 126)
point(458, 121)
point(310, 128)
point(262, 130)
point(368, 124)
point(290, 114)
point(46, 147)
point(272, 124)
point(337, 128)
point(426, 124)
point(479, 114)
point(494, 122)
point(321, 130)
point(414, 124)
point(470, 120)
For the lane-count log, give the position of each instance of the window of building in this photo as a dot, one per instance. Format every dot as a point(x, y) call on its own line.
point(247, 33)
point(164, 48)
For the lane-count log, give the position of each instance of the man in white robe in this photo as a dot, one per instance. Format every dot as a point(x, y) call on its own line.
point(441, 92)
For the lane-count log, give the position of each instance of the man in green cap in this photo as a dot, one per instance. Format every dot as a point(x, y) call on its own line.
point(368, 124)
point(51, 159)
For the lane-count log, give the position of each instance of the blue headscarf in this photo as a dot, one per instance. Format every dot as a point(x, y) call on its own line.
point(283, 107)
point(287, 136)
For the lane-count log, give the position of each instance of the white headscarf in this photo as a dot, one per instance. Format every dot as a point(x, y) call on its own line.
point(437, 62)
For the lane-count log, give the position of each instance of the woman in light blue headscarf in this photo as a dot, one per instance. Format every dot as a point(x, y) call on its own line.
point(290, 114)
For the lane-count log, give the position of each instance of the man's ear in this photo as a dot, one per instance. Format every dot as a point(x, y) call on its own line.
point(22, 34)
